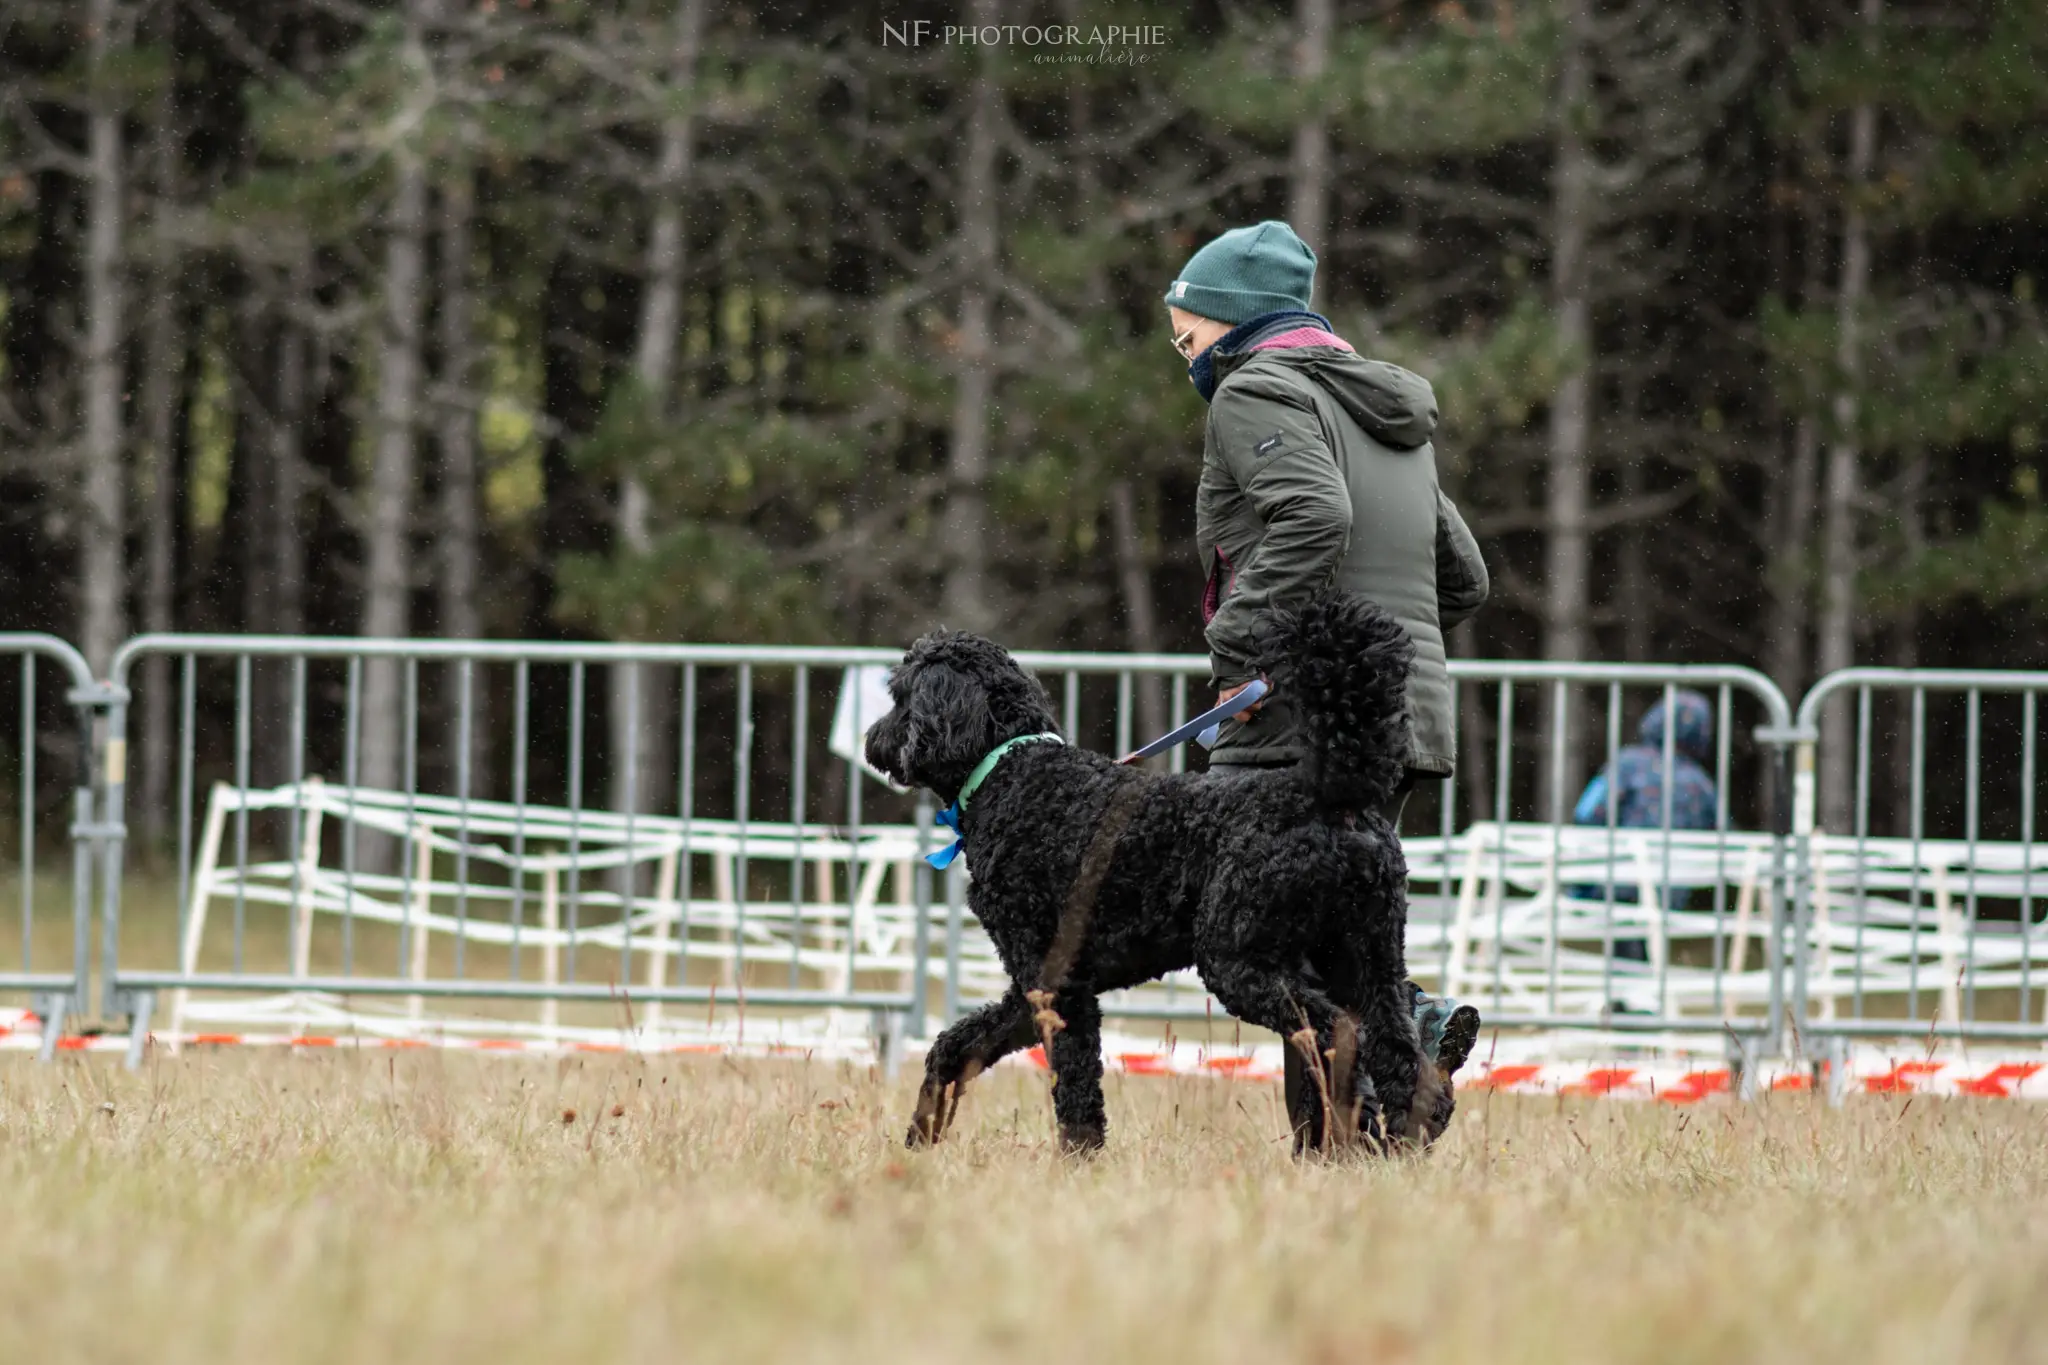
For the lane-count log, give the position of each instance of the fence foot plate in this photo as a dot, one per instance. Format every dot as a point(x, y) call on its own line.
point(140, 1006)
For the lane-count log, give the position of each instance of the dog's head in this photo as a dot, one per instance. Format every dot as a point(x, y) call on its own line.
point(957, 696)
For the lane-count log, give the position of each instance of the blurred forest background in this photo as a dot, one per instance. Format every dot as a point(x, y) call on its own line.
point(690, 320)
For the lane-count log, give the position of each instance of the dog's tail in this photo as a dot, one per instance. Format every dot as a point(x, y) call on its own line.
point(1342, 663)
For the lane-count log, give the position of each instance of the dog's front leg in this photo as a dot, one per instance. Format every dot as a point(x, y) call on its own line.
point(972, 1045)
point(1076, 1062)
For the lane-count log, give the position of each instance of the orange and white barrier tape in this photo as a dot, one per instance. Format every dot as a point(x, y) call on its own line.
point(1674, 1082)
point(1869, 1070)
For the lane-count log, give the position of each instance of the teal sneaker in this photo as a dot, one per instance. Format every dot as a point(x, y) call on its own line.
point(1449, 1030)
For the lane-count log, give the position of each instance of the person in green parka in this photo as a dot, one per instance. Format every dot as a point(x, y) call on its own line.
point(1317, 469)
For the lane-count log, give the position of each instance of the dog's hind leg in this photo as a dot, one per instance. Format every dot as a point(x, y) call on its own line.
point(1341, 971)
point(1273, 995)
point(972, 1045)
point(1408, 1083)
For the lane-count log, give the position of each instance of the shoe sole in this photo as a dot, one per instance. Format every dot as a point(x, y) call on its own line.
point(1461, 1033)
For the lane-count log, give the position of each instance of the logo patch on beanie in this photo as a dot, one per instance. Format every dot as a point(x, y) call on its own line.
point(1180, 289)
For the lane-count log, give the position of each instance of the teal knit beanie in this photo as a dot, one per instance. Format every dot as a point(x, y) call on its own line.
point(1247, 271)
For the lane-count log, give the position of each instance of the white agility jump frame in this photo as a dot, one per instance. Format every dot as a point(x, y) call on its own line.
point(1521, 936)
point(549, 860)
point(1516, 918)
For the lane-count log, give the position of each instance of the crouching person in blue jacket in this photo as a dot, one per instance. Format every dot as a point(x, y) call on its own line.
point(1634, 783)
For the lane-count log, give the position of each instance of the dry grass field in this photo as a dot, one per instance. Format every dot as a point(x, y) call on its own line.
point(260, 1207)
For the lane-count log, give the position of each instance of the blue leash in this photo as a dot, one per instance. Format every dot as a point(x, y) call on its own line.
point(1203, 728)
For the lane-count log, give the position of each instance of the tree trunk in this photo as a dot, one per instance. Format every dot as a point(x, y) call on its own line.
point(1081, 126)
point(1141, 621)
point(104, 525)
point(1133, 566)
point(460, 539)
point(965, 523)
point(1906, 633)
point(163, 352)
point(388, 570)
point(641, 751)
point(1838, 515)
point(271, 465)
point(164, 356)
point(1308, 171)
point(1569, 487)
point(1792, 523)
point(1635, 594)
point(288, 452)
point(257, 338)
point(1790, 519)
point(286, 558)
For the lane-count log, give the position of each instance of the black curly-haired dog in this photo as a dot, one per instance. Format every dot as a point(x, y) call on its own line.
point(1093, 877)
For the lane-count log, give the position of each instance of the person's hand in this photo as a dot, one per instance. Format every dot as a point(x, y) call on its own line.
point(1227, 693)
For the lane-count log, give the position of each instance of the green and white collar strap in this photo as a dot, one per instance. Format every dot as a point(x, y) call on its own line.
point(949, 818)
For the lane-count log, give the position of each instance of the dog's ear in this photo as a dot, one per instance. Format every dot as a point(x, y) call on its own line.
point(945, 727)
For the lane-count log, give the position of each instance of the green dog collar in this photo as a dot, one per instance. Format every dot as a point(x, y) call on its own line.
point(989, 761)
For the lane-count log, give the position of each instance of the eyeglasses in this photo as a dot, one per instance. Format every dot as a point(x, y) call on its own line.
point(1185, 344)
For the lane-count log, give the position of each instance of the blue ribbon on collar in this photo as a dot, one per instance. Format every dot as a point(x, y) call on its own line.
point(949, 818)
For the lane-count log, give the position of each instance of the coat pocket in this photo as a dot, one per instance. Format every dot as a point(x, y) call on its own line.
point(1222, 579)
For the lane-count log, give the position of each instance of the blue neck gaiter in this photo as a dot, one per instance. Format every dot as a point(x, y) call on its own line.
point(1203, 375)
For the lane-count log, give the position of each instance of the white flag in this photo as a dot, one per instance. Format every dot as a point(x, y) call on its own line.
point(863, 700)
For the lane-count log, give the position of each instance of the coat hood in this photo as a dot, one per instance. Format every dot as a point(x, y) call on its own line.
point(1695, 726)
point(1396, 407)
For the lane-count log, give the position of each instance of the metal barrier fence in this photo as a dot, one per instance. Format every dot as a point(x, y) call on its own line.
point(1920, 920)
point(476, 861)
point(369, 830)
point(1547, 922)
point(358, 806)
point(1613, 932)
point(49, 959)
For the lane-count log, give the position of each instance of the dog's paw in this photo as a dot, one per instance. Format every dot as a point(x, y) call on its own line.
point(929, 1120)
point(1081, 1141)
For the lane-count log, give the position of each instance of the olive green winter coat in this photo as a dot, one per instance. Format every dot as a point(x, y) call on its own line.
point(1317, 468)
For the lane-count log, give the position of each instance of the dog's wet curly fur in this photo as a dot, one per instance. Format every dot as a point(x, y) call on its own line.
point(1245, 879)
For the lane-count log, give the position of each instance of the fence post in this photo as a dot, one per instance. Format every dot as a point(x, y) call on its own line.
point(57, 1009)
point(1802, 838)
point(97, 837)
point(1792, 793)
point(1791, 821)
